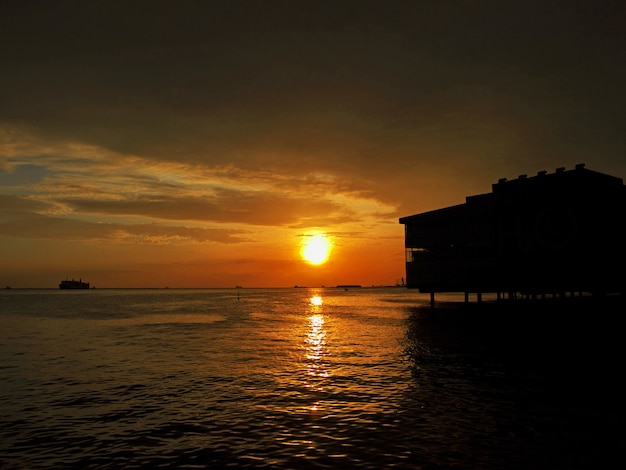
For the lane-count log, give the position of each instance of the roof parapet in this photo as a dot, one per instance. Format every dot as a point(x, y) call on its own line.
point(542, 173)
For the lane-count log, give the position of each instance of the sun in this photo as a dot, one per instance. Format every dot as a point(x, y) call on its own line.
point(316, 249)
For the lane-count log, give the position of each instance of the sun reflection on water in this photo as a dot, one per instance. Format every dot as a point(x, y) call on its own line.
point(315, 339)
point(315, 343)
point(316, 301)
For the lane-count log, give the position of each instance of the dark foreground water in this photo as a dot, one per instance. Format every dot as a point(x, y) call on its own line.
point(305, 378)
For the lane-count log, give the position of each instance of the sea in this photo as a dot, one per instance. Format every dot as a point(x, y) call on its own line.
point(307, 378)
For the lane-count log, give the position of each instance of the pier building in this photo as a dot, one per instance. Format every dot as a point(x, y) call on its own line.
point(551, 234)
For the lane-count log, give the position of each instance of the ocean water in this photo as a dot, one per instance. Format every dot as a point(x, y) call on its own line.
point(366, 378)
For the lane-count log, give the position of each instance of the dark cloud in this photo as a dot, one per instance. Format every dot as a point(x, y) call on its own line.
point(42, 227)
point(10, 205)
point(367, 85)
point(224, 207)
point(261, 114)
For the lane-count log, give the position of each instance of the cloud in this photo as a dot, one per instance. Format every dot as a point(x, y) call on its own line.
point(222, 206)
point(354, 88)
point(75, 179)
point(42, 227)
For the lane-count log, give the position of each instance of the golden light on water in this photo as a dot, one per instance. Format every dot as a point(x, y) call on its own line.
point(316, 248)
point(315, 341)
point(315, 349)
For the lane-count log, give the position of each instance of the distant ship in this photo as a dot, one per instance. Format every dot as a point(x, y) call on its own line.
point(74, 284)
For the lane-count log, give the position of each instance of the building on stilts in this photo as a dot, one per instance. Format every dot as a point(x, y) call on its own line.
point(557, 234)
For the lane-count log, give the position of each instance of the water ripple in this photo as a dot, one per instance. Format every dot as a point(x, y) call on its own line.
point(202, 379)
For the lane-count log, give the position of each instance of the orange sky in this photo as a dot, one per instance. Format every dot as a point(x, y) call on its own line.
point(197, 144)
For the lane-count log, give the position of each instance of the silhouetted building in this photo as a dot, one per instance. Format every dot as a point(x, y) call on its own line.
point(550, 234)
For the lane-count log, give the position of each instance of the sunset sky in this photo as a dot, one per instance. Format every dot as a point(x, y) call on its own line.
point(200, 143)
